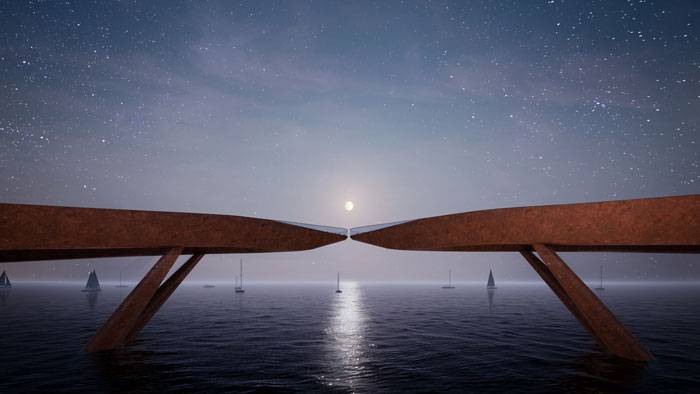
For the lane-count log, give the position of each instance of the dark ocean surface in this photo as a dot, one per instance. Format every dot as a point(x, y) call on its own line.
point(371, 338)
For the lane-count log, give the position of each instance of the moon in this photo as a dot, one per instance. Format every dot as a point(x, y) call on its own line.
point(349, 206)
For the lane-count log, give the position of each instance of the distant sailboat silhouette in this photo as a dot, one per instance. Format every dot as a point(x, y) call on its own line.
point(5, 281)
point(239, 289)
point(601, 288)
point(337, 289)
point(120, 285)
point(491, 285)
point(449, 281)
point(92, 283)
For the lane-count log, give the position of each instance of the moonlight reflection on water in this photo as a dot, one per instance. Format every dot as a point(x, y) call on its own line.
point(346, 337)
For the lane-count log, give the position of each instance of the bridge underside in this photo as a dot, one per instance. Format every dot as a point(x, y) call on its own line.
point(661, 225)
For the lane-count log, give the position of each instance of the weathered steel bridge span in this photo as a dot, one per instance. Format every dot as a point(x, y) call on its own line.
point(654, 225)
point(36, 232)
point(661, 225)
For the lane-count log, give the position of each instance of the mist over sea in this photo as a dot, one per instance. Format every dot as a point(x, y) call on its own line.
point(371, 338)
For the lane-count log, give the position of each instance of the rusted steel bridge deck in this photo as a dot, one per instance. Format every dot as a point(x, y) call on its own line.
point(666, 224)
point(660, 225)
point(39, 232)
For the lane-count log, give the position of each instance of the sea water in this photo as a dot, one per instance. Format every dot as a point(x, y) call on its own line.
point(370, 338)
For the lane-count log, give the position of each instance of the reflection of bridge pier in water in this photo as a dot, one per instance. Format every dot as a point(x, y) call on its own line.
point(603, 373)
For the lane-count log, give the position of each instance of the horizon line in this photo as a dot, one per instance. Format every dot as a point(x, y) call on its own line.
point(373, 282)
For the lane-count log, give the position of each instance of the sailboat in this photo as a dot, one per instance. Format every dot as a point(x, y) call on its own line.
point(239, 289)
point(601, 288)
point(491, 285)
point(5, 281)
point(92, 283)
point(120, 285)
point(337, 289)
point(449, 281)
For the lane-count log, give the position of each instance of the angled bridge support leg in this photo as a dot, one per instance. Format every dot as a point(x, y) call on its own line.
point(164, 292)
point(117, 328)
point(593, 315)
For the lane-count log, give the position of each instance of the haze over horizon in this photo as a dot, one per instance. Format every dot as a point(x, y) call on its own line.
point(288, 110)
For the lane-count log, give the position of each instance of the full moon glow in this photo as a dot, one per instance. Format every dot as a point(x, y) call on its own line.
point(349, 206)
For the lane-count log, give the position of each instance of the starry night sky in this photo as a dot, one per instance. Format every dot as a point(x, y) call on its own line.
point(285, 110)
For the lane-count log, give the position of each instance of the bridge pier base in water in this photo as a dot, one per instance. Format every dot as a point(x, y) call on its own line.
point(127, 319)
point(593, 315)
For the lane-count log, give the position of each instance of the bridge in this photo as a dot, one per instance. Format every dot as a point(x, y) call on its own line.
point(653, 225)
